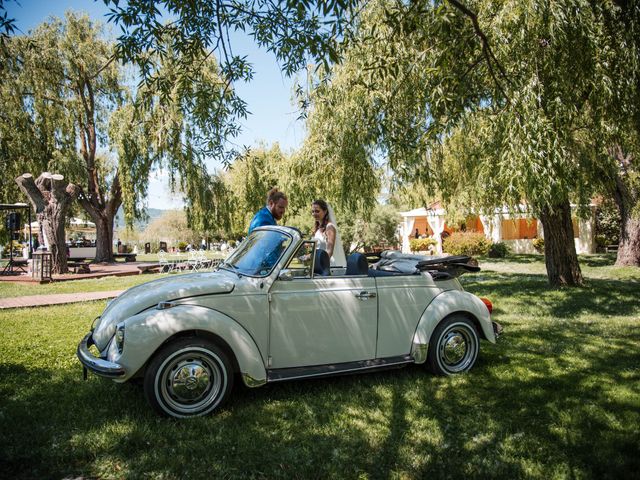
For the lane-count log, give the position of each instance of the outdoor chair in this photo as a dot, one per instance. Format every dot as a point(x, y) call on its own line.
point(193, 262)
point(166, 266)
point(204, 262)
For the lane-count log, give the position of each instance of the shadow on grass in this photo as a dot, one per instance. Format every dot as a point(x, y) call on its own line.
point(541, 403)
point(521, 258)
point(591, 260)
point(532, 294)
point(598, 260)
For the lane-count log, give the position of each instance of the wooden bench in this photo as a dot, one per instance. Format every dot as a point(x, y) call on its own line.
point(128, 257)
point(149, 267)
point(79, 267)
point(611, 248)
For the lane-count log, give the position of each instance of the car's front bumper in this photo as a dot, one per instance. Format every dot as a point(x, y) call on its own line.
point(97, 365)
point(497, 329)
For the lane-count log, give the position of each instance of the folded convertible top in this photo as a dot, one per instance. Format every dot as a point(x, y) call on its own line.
point(440, 267)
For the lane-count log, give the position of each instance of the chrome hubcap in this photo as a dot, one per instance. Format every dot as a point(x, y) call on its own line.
point(191, 381)
point(457, 349)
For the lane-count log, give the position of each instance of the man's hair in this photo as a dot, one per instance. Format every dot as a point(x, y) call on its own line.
point(274, 195)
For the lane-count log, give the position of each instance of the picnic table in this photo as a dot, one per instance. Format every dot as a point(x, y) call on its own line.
point(79, 266)
point(128, 257)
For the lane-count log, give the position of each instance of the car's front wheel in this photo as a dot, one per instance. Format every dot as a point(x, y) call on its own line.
point(187, 378)
point(454, 346)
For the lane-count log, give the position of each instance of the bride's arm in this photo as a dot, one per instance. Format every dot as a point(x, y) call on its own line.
point(330, 232)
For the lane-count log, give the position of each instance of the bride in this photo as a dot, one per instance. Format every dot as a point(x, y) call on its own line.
point(325, 232)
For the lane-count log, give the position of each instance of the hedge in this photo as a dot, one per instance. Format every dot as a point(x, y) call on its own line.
point(466, 243)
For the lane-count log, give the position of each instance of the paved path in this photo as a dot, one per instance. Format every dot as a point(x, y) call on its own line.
point(55, 299)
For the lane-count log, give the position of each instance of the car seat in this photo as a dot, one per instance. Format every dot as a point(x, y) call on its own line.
point(357, 264)
point(322, 263)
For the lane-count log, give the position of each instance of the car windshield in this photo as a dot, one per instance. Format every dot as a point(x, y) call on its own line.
point(258, 254)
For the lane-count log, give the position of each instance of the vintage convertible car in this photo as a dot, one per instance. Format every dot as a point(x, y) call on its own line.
point(274, 311)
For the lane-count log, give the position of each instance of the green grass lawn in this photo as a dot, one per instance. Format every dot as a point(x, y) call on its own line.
point(557, 397)
point(11, 289)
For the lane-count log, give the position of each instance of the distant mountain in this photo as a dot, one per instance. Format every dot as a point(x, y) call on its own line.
point(152, 213)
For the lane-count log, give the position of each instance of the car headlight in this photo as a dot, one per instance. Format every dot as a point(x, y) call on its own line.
point(120, 338)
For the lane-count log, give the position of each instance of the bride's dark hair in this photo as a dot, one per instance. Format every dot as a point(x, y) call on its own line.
point(323, 206)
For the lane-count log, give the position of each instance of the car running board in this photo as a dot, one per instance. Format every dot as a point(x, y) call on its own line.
point(283, 374)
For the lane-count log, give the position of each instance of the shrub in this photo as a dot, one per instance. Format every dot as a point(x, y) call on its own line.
point(466, 243)
point(538, 244)
point(608, 224)
point(422, 244)
point(182, 246)
point(498, 250)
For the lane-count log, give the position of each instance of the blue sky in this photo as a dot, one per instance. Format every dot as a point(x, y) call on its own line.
point(269, 96)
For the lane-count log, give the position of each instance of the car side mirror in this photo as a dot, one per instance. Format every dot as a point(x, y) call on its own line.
point(286, 274)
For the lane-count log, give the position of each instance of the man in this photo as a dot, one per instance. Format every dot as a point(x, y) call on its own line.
point(276, 205)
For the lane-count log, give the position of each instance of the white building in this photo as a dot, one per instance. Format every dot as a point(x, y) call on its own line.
point(516, 230)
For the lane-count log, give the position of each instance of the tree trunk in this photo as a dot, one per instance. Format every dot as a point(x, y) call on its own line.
point(560, 255)
point(103, 213)
point(627, 197)
point(51, 198)
point(629, 246)
point(104, 239)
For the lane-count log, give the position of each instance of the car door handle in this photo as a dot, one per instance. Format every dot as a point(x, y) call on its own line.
point(364, 295)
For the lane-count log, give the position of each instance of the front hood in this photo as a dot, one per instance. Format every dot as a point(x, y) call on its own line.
point(142, 297)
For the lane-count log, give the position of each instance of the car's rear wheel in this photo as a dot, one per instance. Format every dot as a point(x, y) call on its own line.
point(189, 377)
point(454, 346)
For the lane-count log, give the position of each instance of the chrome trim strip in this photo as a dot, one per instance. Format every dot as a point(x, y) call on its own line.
point(340, 372)
point(97, 365)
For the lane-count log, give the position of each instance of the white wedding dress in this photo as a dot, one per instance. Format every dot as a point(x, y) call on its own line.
point(337, 259)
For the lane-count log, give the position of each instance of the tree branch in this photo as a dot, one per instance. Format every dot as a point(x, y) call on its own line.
point(486, 47)
point(29, 188)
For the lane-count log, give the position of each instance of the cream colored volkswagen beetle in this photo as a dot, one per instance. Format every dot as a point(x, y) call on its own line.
point(274, 310)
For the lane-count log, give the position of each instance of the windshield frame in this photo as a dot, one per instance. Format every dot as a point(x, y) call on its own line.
point(275, 264)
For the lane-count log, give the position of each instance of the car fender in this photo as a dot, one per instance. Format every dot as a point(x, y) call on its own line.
point(443, 305)
point(147, 331)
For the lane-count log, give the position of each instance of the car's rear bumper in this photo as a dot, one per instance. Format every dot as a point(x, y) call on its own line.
point(497, 329)
point(97, 365)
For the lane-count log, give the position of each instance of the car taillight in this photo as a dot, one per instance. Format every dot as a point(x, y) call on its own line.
point(488, 304)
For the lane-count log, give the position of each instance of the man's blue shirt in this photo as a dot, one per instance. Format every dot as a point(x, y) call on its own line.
point(262, 218)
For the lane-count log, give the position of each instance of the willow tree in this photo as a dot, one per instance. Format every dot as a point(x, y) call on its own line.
point(297, 33)
point(498, 101)
point(65, 101)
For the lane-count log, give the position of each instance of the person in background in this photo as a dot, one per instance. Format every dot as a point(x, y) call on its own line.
point(277, 203)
